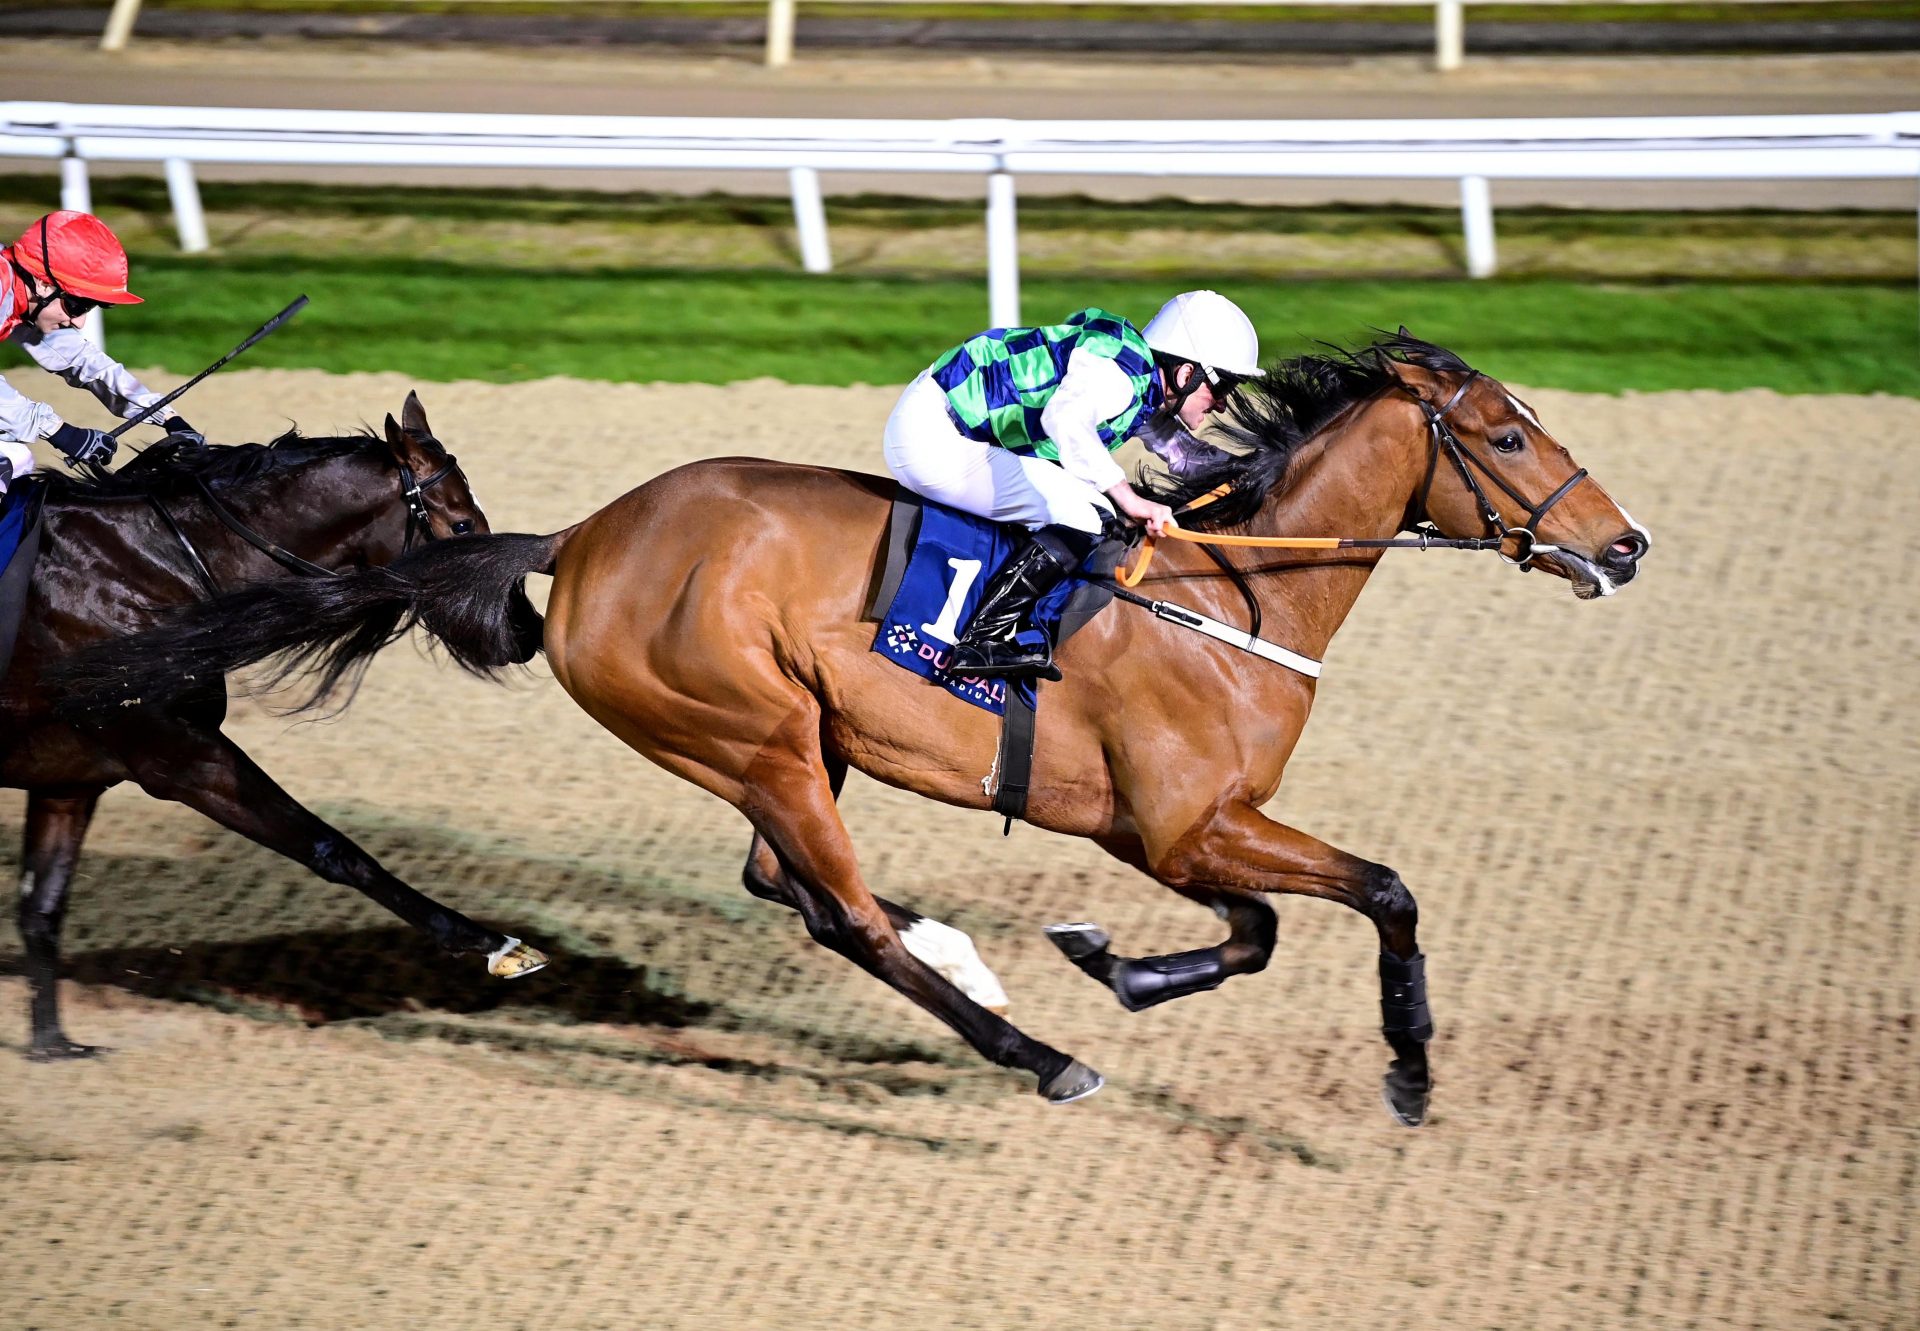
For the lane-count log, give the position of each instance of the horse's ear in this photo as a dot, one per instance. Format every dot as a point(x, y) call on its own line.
point(413, 417)
point(1405, 334)
point(1413, 378)
point(394, 437)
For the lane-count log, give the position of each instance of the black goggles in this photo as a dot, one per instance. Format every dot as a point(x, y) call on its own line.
point(76, 306)
point(1222, 382)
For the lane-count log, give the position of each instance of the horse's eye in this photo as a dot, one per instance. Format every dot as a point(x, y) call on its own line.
point(464, 527)
point(1510, 442)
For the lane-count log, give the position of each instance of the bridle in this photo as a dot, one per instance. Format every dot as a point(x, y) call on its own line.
point(1526, 537)
point(412, 490)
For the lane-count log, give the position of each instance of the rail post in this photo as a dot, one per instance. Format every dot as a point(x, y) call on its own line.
point(810, 220)
point(189, 219)
point(1449, 34)
point(119, 25)
point(1003, 253)
point(781, 16)
point(1476, 220)
point(76, 195)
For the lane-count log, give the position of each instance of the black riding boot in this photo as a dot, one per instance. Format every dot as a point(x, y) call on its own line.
point(991, 647)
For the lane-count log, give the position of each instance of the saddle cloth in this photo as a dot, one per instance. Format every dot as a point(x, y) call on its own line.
point(19, 548)
point(938, 562)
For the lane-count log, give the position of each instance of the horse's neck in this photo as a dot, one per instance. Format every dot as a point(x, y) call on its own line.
point(1356, 480)
point(334, 511)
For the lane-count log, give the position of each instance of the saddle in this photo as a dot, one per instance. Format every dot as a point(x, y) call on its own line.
point(936, 562)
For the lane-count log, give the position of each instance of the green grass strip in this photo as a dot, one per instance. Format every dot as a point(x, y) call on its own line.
point(441, 322)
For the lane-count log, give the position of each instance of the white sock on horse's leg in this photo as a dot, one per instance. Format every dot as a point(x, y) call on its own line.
point(951, 954)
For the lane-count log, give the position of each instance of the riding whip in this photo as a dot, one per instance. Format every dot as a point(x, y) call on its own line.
point(260, 332)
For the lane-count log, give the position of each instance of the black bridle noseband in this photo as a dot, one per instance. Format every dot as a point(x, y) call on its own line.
point(1526, 536)
point(412, 490)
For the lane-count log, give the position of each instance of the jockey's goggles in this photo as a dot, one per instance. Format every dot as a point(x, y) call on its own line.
point(76, 306)
point(1222, 382)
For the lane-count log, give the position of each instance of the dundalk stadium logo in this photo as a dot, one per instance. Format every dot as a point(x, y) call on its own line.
point(931, 661)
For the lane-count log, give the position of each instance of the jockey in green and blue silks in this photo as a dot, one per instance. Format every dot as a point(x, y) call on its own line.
point(1019, 425)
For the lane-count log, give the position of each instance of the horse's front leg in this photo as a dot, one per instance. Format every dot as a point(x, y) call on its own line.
point(174, 759)
point(57, 820)
point(1144, 982)
point(1240, 848)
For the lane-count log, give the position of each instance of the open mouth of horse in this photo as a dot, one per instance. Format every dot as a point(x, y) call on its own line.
point(1590, 581)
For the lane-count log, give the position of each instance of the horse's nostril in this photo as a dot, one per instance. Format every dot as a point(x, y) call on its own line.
point(1626, 551)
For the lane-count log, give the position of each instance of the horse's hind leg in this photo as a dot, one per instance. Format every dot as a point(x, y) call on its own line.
point(57, 822)
point(175, 760)
point(947, 949)
point(1144, 982)
point(789, 798)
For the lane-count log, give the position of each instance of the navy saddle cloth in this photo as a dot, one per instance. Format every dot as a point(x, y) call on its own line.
point(938, 563)
point(19, 547)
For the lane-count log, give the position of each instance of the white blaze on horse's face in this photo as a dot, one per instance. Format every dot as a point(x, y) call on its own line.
point(1614, 559)
point(1526, 411)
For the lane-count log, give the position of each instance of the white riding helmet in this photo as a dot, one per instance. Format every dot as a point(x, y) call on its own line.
point(1208, 329)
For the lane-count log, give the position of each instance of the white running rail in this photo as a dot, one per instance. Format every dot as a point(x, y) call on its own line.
point(1449, 19)
point(1807, 148)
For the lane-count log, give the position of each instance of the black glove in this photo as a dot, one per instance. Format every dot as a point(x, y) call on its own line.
point(83, 445)
point(6, 470)
point(177, 428)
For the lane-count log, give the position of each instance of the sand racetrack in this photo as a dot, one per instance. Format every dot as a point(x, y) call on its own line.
point(1663, 846)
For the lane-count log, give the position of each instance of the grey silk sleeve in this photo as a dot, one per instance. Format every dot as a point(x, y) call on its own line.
point(66, 353)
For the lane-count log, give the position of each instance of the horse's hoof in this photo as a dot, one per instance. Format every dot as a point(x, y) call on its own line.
point(1405, 1100)
point(62, 1050)
point(513, 958)
point(1079, 940)
point(1076, 1081)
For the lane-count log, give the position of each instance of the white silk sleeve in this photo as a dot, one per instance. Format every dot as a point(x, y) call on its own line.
point(1093, 390)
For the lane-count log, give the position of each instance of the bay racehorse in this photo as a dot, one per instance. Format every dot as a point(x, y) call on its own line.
point(180, 524)
point(712, 619)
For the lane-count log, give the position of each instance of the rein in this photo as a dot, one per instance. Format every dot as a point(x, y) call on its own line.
point(412, 490)
point(1426, 536)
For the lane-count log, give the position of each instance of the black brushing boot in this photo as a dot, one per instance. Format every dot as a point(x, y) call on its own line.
point(991, 647)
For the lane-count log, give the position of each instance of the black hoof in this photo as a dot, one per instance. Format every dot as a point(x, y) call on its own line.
point(1079, 941)
point(1405, 1095)
point(60, 1050)
point(1076, 1081)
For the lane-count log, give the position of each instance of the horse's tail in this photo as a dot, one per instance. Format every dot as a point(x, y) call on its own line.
point(468, 594)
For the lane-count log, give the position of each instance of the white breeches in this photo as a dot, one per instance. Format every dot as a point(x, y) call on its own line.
point(20, 455)
point(926, 452)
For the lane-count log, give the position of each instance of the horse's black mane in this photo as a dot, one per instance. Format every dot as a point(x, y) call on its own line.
point(1270, 418)
point(173, 467)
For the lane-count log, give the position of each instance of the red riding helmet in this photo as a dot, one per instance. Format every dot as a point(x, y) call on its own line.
point(88, 259)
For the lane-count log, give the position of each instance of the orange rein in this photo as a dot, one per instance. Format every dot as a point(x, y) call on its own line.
point(1130, 577)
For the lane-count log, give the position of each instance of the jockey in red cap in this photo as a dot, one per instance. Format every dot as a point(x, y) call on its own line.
point(65, 264)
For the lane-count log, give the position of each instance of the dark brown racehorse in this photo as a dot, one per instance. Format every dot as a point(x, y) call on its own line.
point(712, 619)
point(176, 526)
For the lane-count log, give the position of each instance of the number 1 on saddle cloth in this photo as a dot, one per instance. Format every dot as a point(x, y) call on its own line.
point(954, 556)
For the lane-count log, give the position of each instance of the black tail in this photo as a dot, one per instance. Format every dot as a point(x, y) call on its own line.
point(468, 594)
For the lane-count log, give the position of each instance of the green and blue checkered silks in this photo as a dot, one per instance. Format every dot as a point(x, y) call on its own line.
point(998, 382)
